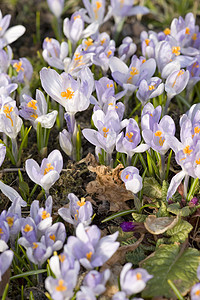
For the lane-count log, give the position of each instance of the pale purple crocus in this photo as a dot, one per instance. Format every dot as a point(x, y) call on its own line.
point(4, 235)
point(128, 142)
point(175, 84)
point(85, 293)
point(54, 236)
point(148, 42)
point(71, 94)
point(126, 49)
point(194, 70)
point(133, 181)
point(35, 110)
point(55, 53)
point(38, 253)
point(48, 173)
point(150, 116)
point(149, 89)
point(96, 281)
point(79, 211)
point(6, 87)
point(24, 70)
point(195, 292)
point(65, 140)
point(89, 248)
point(56, 7)
point(8, 36)
point(5, 59)
point(5, 261)
point(133, 281)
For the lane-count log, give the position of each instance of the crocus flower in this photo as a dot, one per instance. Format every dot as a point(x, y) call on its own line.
point(8, 36)
point(133, 281)
point(127, 48)
point(127, 226)
point(96, 281)
point(71, 94)
point(55, 236)
point(148, 42)
point(120, 296)
point(38, 253)
point(4, 235)
point(89, 248)
point(6, 87)
point(5, 261)
point(85, 293)
point(65, 140)
point(194, 70)
point(195, 292)
point(149, 89)
point(48, 173)
point(55, 53)
point(79, 211)
point(24, 70)
point(5, 59)
point(176, 82)
point(56, 7)
point(35, 110)
point(133, 181)
point(150, 116)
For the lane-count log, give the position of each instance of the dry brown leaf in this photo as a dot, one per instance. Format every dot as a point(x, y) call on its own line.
point(159, 225)
point(109, 186)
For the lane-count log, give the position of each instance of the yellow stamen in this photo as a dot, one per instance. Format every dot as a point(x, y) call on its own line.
point(129, 136)
point(187, 30)
point(68, 94)
point(89, 255)
point(139, 276)
point(35, 245)
point(109, 85)
point(35, 116)
point(52, 237)
point(88, 43)
point(151, 87)
point(55, 253)
point(48, 39)
point(77, 17)
point(158, 133)
point(7, 112)
point(78, 56)
point(1, 28)
point(28, 228)
point(10, 221)
point(161, 141)
point(143, 61)
point(197, 293)
point(195, 65)
point(197, 161)
point(183, 158)
point(151, 115)
point(45, 215)
point(196, 129)
point(147, 41)
point(81, 203)
point(187, 150)
point(1, 231)
point(127, 176)
point(176, 50)
point(194, 37)
point(109, 53)
point(167, 31)
point(121, 3)
point(181, 72)
point(49, 168)
point(32, 104)
point(18, 66)
point(60, 287)
point(62, 257)
point(105, 130)
point(96, 9)
point(76, 215)
point(103, 41)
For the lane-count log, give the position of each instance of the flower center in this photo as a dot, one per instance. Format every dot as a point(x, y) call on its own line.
point(147, 41)
point(109, 85)
point(48, 40)
point(7, 112)
point(194, 66)
point(158, 133)
point(197, 293)
point(198, 161)
point(49, 168)
point(45, 215)
point(187, 30)
point(88, 43)
point(134, 71)
point(28, 228)
point(105, 131)
point(89, 255)
point(139, 276)
point(161, 139)
point(187, 150)
point(109, 53)
point(62, 257)
point(61, 287)
point(81, 203)
point(52, 237)
point(35, 116)
point(129, 136)
point(35, 245)
point(1, 231)
point(76, 215)
point(96, 9)
point(127, 176)
point(151, 87)
point(32, 104)
point(176, 50)
point(18, 66)
point(10, 221)
point(103, 41)
point(68, 94)
point(167, 31)
point(77, 17)
point(194, 37)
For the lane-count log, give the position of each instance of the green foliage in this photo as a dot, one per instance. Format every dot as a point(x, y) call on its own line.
point(171, 262)
point(152, 188)
point(179, 232)
point(177, 210)
point(139, 217)
point(165, 186)
point(162, 212)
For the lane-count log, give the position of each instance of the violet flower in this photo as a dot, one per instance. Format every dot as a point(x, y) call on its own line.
point(65, 140)
point(35, 110)
point(54, 236)
point(149, 89)
point(150, 116)
point(48, 173)
point(96, 281)
point(5, 261)
point(24, 70)
point(133, 281)
point(126, 49)
point(89, 248)
point(38, 253)
point(79, 211)
point(127, 226)
point(4, 235)
point(133, 181)
point(56, 7)
point(195, 292)
point(6, 87)
point(55, 53)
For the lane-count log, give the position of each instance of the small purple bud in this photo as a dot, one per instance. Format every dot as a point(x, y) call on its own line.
point(194, 201)
point(127, 226)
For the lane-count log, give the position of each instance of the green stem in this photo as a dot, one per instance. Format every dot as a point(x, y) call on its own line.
point(175, 290)
point(192, 189)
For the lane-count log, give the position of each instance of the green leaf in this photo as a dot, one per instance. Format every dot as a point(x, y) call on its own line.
point(162, 212)
point(170, 262)
point(165, 186)
point(24, 187)
point(152, 188)
point(179, 232)
point(138, 217)
point(175, 209)
point(118, 214)
point(30, 273)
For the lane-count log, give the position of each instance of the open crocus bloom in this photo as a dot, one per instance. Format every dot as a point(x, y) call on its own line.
point(133, 181)
point(48, 173)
